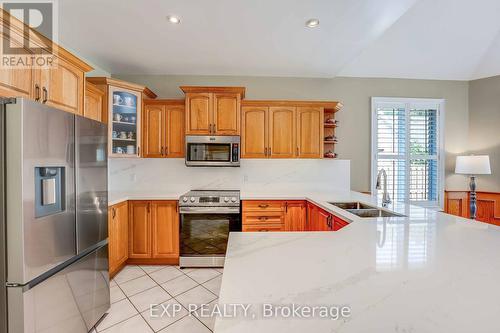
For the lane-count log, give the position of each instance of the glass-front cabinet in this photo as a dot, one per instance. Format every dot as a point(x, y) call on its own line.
point(125, 122)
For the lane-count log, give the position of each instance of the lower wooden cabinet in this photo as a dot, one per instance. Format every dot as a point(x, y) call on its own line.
point(274, 215)
point(118, 236)
point(153, 231)
point(295, 216)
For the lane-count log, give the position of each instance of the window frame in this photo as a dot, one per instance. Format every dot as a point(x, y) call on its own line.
point(440, 103)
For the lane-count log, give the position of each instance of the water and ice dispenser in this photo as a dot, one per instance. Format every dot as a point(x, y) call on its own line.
point(49, 190)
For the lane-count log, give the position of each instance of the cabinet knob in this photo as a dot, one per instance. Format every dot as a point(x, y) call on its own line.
point(263, 206)
point(161, 151)
point(265, 151)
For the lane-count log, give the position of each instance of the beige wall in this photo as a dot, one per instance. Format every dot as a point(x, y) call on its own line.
point(354, 93)
point(484, 130)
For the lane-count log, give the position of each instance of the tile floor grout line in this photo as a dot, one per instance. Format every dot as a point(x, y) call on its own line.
point(121, 321)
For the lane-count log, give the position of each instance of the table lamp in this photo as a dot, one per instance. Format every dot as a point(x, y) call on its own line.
point(473, 165)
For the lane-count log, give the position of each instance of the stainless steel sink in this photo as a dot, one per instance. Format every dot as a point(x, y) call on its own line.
point(352, 205)
point(373, 212)
point(363, 210)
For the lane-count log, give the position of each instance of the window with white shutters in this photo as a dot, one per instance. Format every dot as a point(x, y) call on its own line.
point(407, 143)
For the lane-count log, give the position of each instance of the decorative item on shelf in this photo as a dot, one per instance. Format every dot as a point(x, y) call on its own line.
point(119, 150)
point(129, 101)
point(132, 119)
point(330, 154)
point(331, 138)
point(117, 117)
point(473, 165)
point(114, 134)
point(331, 121)
point(130, 150)
point(130, 135)
point(117, 99)
point(123, 135)
point(125, 119)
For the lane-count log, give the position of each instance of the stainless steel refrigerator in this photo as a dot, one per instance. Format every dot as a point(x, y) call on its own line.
point(53, 220)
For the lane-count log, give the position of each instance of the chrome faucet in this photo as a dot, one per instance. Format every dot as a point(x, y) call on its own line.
point(386, 199)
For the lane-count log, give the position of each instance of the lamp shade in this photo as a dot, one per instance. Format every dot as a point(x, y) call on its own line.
point(473, 165)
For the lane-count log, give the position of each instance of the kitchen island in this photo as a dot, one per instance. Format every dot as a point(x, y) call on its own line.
point(425, 272)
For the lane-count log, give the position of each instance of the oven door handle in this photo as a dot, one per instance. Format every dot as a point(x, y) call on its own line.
point(209, 210)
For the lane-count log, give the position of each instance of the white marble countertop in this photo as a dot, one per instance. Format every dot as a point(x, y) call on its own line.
point(427, 272)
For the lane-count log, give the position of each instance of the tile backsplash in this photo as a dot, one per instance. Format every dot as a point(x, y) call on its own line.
point(166, 176)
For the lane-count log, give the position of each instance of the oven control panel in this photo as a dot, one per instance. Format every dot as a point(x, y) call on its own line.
point(211, 199)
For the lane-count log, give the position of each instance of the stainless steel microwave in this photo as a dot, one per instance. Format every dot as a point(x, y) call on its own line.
point(221, 151)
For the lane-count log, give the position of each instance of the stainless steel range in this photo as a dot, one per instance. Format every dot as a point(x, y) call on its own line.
point(207, 217)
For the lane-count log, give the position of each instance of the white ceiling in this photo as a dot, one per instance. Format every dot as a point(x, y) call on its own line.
point(425, 39)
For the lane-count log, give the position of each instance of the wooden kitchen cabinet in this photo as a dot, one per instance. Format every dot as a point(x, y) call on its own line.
point(94, 102)
point(213, 110)
point(295, 216)
point(60, 85)
point(163, 128)
point(254, 141)
point(324, 220)
point(122, 111)
point(282, 134)
point(283, 129)
point(140, 229)
point(226, 113)
point(118, 237)
point(309, 132)
point(154, 232)
point(165, 229)
point(274, 215)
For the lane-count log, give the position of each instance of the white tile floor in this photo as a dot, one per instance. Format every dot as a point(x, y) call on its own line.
point(135, 288)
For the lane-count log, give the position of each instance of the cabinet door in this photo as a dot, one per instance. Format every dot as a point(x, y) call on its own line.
point(226, 114)
point(62, 87)
point(94, 102)
point(254, 141)
point(165, 229)
point(121, 230)
point(124, 115)
point(154, 123)
point(198, 113)
point(139, 229)
point(295, 216)
point(309, 132)
point(112, 240)
point(323, 220)
point(312, 217)
point(16, 82)
point(175, 131)
point(282, 132)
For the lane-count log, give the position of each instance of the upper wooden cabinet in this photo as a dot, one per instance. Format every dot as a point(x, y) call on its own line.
point(282, 129)
point(254, 134)
point(213, 110)
point(309, 128)
point(123, 109)
point(94, 102)
point(163, 128)
point(282, 133)
point(60, 85)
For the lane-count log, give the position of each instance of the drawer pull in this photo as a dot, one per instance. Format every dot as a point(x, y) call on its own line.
point(263, 206)
point(263, 218)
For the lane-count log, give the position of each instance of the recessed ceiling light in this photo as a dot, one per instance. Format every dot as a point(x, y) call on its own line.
point(173, 19)
point(312, 23)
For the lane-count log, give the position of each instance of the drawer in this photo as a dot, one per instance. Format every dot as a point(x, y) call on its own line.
point(263, 228)
point(262, 206)
point(262, 218)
